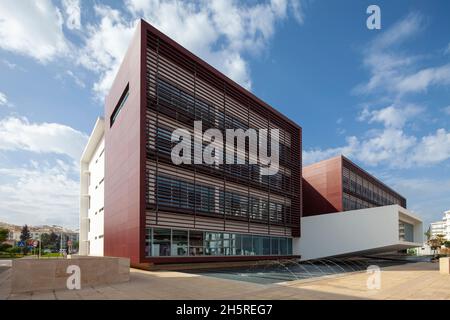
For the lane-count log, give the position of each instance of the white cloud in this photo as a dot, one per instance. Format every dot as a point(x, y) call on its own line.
point(76, 79)
point(3, 99)
point(392, 71)
point(391, 147)
point(393, 75)
point(105, 47)
point(426, 196)
point(392, 116)
point(221, 32)
point(20, 134)
point(39, 193)
point(421, 80)
point(10, 65)
point(32, 28)
point(446, 110)
point(317, 154)
point(401, 31)
point(72, 13)
point(433, 148)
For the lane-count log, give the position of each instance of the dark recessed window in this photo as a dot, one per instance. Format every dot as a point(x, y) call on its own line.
point(120, 105)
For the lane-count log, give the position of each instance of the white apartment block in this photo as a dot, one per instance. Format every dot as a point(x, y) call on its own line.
point(92, 175)
point(441, 227)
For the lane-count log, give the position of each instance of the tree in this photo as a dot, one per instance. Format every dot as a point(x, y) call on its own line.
point(54, 242)
point(25, 236)
point(3, 234)
point(436, 242)
point(447, 244)
point(45, 240)
point(428, 234)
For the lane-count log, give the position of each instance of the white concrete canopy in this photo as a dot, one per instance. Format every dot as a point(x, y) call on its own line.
point(364, 231)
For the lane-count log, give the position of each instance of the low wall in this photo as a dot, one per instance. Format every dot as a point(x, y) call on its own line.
point(48, 274)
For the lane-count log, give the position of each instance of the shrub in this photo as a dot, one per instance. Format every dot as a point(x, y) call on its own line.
point(5, 246)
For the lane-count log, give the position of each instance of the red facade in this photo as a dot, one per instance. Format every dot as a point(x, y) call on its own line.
point(127, 158)
point(322, 187)
point(338, 184)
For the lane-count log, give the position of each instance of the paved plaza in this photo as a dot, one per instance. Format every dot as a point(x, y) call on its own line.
point(408, 281)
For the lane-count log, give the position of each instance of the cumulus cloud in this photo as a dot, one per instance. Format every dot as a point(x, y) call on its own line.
point(221, 32)
point(392, 116)
point(433, 148)
point(32, 28)
point(394, 72)
point(39, 193)
point(72, 12)
point(391, 147)
point(393, 75)
point(3, 99)
point(105, 46)
point(20, 134)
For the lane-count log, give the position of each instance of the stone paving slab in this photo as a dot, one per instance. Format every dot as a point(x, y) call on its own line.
point(410, 281)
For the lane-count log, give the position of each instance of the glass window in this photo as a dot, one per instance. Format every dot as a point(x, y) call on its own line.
point(275, 244)
point(195, 243)
point(258, 245)
point(120, 105)
point(247, 245)
point(213, 243)
point(238, 245)
point(161, 242)
point(289, 242)
point(148, 242)
point(266, 246)
point(283, 246)
point(167, 242)
point(227, 244)
point(179, 243)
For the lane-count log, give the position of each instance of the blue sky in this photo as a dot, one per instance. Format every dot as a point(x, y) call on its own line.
point(381, 97)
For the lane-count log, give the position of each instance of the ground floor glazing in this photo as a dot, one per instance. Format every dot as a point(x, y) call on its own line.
point(176, 242)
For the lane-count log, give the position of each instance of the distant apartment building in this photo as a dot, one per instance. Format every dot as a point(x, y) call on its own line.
point(441, 227)
point(36, 232)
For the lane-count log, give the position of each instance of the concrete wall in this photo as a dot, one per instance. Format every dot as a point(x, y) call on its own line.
point(97, 195)
point(92, 171)
point(49, 274)
point(356, 231)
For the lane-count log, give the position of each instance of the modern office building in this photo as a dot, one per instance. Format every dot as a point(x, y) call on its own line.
point(92, 194)
point(159, 212)
point(353, 213)
point(338, 184)
point(136, 203)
